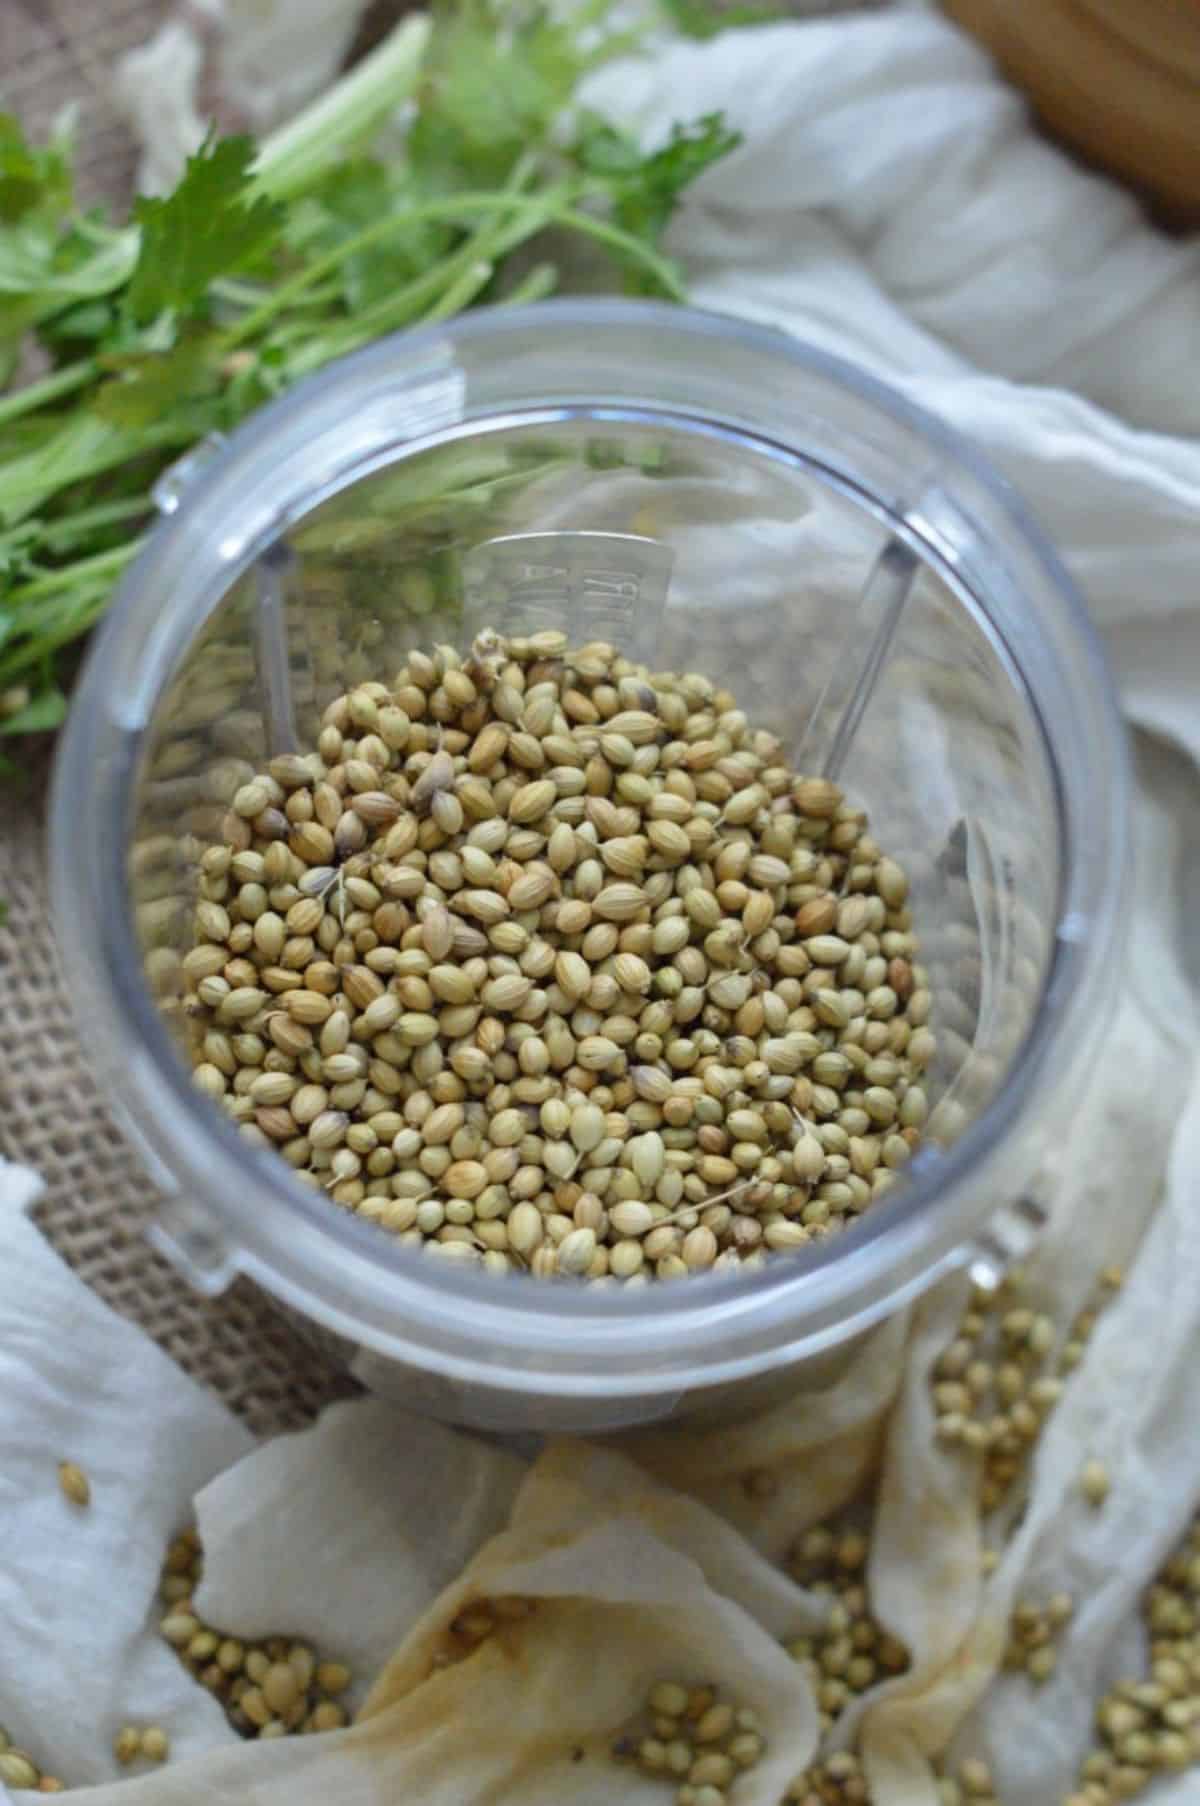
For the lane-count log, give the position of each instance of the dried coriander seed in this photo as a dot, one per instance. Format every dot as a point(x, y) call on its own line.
point(74, 1483)
point(1000, 1379)
point(17, 1770)
point(546, 937)
point(156, 1746)
point(273, 1687)
point(691, 1736)
point(127, 1744)
point(1094, 1482)
point(1147, 1726)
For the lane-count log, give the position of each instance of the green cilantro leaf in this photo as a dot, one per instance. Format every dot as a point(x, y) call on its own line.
point(649, 196)
point(16, 549)
point(85, 322)
point(206, 228)
point(148, 384)
point(362, 192)
point(497, 77)
point(645, 190)
point(31, 177)
point(705, 18)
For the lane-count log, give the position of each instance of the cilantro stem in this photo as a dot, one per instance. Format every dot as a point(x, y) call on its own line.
point(99, 564)
point(49, 388)
point(448, 210)
point(85, 446)
point(462, 292)
point(86, 586)
point(535, 285)
point(490, 242)
point(485, 245)
point(58, 534)
point(636, 248)
point(251, 294)
point(294, 155)
point(552, 208)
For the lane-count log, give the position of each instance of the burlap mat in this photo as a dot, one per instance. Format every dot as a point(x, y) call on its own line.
point(97, 1199)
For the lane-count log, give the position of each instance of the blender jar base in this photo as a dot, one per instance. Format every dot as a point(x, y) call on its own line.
point(861, 581)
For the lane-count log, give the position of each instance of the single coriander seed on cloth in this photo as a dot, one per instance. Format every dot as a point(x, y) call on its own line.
point(74, 1483)
point(17, 1770)
point(546, 963)
point(1094, 1482)
point(127, 1744)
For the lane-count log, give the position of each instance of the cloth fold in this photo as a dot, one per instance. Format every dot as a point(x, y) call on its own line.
point(78, 1583)
point(891, 203)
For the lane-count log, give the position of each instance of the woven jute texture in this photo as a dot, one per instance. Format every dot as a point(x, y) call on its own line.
point(97, 1199)
point(53, 53)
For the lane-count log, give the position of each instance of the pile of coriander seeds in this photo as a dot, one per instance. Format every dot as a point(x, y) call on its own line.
point(694, 1739)
point(547, 963)
point(270, 1686)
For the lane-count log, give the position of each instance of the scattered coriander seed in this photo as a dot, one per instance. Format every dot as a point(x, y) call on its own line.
point(127, 1744)
point(975, 1778)
point(273, 1687)
point(74, 1483)
point(547, 941)
point(327, 1716)
point(333, 1677)
point(999, 1380)
point(853, 1651)
point(1034, 1628)
point(692, 1736)
point(836, 1780)
point(477, 1621)
point(1094, 1482)
point(16, 1769)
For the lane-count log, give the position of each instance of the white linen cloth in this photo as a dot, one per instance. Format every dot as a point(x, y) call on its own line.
point(891, 203)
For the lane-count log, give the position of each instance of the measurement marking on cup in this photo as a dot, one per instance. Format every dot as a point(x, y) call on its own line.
point(617, 584)
point(535, 584)
point(613, 585)
point(271, 648)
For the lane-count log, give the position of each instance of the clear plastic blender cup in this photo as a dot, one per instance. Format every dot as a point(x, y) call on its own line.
point(709, 496)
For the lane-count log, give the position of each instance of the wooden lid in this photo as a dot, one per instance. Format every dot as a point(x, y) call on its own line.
point(1119, 80)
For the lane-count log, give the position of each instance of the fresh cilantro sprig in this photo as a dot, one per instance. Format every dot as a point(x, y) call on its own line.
point(646, 190)
point(264, 264)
